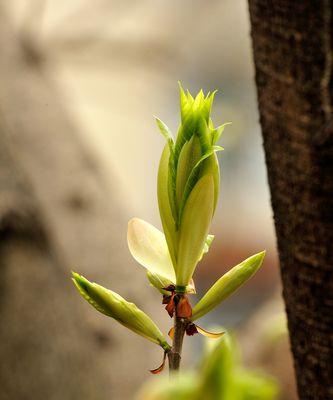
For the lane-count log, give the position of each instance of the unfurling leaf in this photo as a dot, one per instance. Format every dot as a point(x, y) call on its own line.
point(160, 368)
point(217, 132)
point(168, 222)
point(228, 284)
point(185, 163)
point(211, 166)
point(164, 129)
point(194, 227)
point(208, 243)
point(149, 248)
point(128, 314)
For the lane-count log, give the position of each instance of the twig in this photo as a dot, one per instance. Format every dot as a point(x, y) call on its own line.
point(176, 351)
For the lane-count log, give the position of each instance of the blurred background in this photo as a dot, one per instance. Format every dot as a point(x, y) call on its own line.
point(81, 82)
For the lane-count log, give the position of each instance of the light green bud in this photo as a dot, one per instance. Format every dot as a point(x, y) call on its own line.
point(167, 219)
point(188, 168)
point(128, 314)
point(188, 158)
point(159, 282)
point(194, 227)
point(228, 284)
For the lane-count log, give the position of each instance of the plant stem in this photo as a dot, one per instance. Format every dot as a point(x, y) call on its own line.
point(176, 351)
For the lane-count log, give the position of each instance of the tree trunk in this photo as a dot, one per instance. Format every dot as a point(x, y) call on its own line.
point(57, 214)
point(292, 44)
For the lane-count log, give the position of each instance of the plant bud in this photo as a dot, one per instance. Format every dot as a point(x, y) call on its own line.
point(128, 314)
point(228, 284)
point(194, 228)
point(188, 183)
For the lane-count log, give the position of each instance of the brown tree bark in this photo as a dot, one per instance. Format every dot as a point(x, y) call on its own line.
point(292, 44)
point(58, 213)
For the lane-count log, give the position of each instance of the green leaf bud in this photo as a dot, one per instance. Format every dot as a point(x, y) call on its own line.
point(194, 227)
point(188, 158)
point(184, 162)
point(160, 283)
point(227, 285)
point(167, 219)
point(111, 304)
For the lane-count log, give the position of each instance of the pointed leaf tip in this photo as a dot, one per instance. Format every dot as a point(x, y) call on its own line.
point(228, 284)
point(166, 132)
point(180, 86)
point(113, 305)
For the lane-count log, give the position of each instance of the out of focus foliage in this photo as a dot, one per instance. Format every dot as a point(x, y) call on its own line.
point(221, 376)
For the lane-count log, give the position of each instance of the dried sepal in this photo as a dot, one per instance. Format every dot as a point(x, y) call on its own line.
point(160, 368)
point(192, 329)
point(211, 335)
point(183, 308)
point(171, 332)
point(171, 305)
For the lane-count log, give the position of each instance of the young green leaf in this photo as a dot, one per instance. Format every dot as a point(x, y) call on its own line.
point(164, 129)
point(207, 245)
point(111, 304)
point(149, 248)
point(207, 168)
point(168, 222)
point(207, 107)
point(227, 285)
point(194, 227)
point(186, 102)
point(203, 131)
point(211, 165)
point(217, 132)
point(188, 158)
